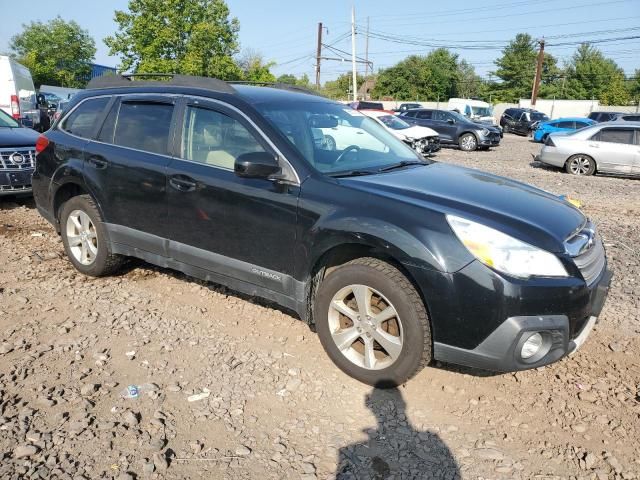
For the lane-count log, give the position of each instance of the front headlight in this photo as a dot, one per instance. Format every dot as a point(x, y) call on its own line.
point(485, 132)
point(504, 253)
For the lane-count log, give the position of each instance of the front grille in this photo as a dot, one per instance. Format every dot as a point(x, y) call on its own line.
point(15, 188)
point(18, 158)
point(592, 261)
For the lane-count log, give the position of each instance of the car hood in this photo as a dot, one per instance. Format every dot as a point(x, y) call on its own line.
point(415, 132)
point(522, 211)
point(17, 137)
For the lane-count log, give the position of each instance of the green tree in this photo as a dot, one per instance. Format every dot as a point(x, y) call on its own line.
point(634, 86)
point(591, 75)
point(303, 81)
point(340, 88)
point(56, 52)
point(192, 37)
point(469, 83)
point(517, 67)
point(254, 69)
point(429, 77)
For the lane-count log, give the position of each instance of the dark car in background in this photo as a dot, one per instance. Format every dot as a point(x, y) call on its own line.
point(17, 156)
point(625, 117)
point(403, 107)
point(603, 116)
point(363, 105)
point(521, 121)
point(454, 128)
point(394, 259)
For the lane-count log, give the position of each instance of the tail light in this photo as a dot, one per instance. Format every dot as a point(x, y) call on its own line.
point(41, 143)
point(15, 107)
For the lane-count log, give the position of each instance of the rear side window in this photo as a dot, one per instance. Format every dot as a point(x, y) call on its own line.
point(565, 125)
point(82, 121)
point(410, 114)
point(617, 135)
point(144, 126)
point(424, 114)
point(213, 138)
point(581, 125)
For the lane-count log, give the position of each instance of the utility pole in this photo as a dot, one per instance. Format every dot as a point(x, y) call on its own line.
point(318, 55)
point(536, 81)
point(353, 53)
point(366, 63)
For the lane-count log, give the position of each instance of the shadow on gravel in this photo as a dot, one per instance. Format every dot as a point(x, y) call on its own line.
point(395, 449)
point(11, 202)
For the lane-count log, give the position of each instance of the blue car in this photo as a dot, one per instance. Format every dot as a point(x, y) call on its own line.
point(567, 124)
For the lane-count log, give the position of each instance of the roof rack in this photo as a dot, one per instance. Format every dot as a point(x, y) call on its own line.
point(126, 80)
point(279, 85)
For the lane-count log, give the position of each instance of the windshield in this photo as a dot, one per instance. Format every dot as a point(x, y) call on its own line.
point(7, 122)
point(334, 138)
point(393, 122)
point(538, 116)
point(459, 117)
point(482, 111)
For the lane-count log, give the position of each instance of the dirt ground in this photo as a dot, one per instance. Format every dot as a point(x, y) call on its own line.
point(276, 406)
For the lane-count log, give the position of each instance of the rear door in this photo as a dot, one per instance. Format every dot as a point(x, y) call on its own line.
point(521, 124)
point(126, 168)
point(614, 149)
point(243, 228)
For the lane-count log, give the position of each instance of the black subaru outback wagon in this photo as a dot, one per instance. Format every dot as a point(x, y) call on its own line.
point(395, 260)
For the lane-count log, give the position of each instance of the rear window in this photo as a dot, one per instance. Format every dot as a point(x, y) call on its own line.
point(369, 106)
point(82, 120)
point(631, 118)
point(144, 126)
point(617, 135)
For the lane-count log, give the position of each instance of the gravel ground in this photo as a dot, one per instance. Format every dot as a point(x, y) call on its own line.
point(265, 400)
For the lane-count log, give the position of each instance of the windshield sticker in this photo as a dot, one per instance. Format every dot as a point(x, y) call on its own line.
point(352, 112)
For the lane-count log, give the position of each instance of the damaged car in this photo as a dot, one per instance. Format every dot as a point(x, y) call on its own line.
point(423, 140)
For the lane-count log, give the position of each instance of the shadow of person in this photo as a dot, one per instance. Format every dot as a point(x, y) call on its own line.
point(395, 449)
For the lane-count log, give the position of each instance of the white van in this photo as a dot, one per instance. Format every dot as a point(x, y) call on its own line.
point(17, 93)
point(475, 110)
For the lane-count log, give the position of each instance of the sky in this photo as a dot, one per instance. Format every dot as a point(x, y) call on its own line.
point(285, 31)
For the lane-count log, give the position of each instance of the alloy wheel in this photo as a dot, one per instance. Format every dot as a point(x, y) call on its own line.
point(580, 165)
point(82, 237)
point(365, 327)
point(468, 143)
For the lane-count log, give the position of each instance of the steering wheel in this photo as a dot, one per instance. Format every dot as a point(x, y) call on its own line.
point(350, 148)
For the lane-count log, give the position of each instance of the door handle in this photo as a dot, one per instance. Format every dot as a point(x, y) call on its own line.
point(97, 162)
point(183, 183)
point(594, 145)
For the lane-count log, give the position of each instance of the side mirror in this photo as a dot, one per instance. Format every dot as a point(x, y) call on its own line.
point(451, 121)
point(256, 165)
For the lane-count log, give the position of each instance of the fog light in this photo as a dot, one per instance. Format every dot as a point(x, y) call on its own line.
point(531, 346)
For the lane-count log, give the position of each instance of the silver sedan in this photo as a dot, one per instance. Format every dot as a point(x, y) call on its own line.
point(612, 148)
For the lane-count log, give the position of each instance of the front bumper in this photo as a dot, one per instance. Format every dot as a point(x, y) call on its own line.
point(562, 335)
point(15, 182)
point(491, 140)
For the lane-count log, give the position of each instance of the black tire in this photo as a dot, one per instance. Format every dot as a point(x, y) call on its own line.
point(416, 351)
point(580, 164)
point(468, 142)
point(505, 128)
point(105, 262)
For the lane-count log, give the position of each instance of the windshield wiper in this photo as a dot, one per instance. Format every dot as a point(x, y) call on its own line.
point(403, 163)
point(351, 173)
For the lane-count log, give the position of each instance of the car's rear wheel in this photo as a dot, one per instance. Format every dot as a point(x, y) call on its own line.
point(468, 142)
point(85, 238)
point(580, 165)
point(372, 323)
point(329, 142)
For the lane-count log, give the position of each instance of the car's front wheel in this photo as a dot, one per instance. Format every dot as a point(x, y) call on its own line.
point(468, 142)
point(85, 239)
point(372, 322)
point(581, 165)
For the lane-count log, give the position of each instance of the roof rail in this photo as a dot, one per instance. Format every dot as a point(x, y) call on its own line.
point(126, 80)
point(279, 85)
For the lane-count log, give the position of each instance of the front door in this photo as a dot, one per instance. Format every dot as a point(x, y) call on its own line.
point(126, 168)
point(241, 228)
point(445, 124)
